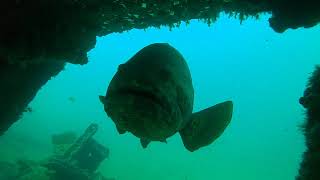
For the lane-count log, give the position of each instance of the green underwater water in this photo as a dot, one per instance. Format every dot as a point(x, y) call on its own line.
point(263, 72)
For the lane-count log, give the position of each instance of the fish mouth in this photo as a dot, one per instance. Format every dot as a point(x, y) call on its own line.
point(146, 94)
point(143, 111)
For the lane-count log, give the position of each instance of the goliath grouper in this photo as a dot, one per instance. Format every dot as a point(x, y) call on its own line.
point(151, 96)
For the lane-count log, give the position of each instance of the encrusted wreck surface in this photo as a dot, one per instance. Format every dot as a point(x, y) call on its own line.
point(309, 168)
point(67, 29)
point(19, 84)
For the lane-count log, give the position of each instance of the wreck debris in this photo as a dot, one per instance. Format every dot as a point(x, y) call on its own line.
point(83, 166)
point(81, 159)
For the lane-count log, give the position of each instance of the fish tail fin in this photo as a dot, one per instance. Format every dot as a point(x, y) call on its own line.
point(206, 126)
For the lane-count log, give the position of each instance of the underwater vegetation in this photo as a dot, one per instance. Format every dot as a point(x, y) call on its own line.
point(309, 168)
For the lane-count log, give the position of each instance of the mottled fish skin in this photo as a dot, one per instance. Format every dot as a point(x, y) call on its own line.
point(151, 96)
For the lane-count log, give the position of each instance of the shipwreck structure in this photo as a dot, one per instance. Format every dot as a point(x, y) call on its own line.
point(37, 38)
point(309, 169)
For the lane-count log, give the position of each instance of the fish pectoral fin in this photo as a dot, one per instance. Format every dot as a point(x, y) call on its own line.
point(102, 99)
point(144, 142)
point(206, 126)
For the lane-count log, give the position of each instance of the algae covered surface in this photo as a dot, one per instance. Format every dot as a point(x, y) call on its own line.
point(263, 72)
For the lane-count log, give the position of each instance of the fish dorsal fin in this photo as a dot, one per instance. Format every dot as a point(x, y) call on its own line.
point(144, 142)
point(206, 126)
